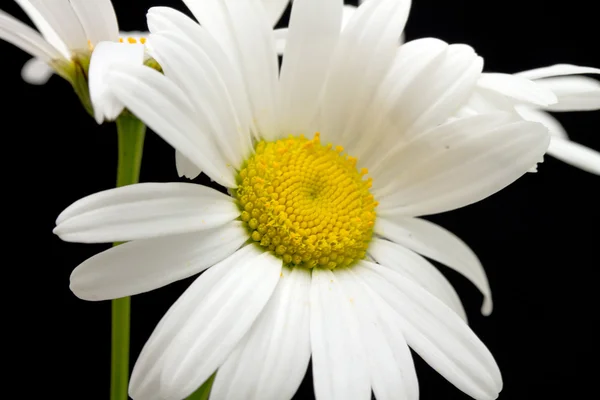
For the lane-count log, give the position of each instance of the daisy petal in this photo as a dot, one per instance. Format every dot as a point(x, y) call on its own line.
point(461, 162)
point(313, 33)
point(189, 67)
point(57, 18)
point(392, 371)
point(575, 154)
point(575, 93)
point(518, 88)
point(275, 9)
point(185, 167)
point(218, 322)
point(36, 72)
point(436, 333)
point(271, 360)
point(145, 378)
point(557, 70)
point(362, 58)
point(161, 19)
point(98, 19)
point(339, 361)
point(439, 244)
point(554, 127)
point(144, 210)
point(107, 54)
point(144, 265)
point(165, 108)
point(414, 267)
point(44, 27)
point(25, 38)
point(243, 29)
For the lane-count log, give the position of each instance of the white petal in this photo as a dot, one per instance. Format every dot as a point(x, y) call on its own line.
point(363, 57)
point(25, 38)
point(414, 267)
point(439, 244)
point(57, 19)
point(436, 333)
point(461, 162)
point(144, 210)
point(575, 93)
point(271, 360)
point(391, 366)
point(244, 31)
point(165, 19)
point(339, 360)
point(143, 265)
point(165, 108)
point(192, 69)
point(575, 154)
point(531, 114)
point(517, 88)
point(313, 33)
point(275, 9)
point(98, 20)
point(557, 70)
point(44, 27)
point(218, 322)
point(36, 72)
point(145, 378)
point(185, 167)
point(105, 56)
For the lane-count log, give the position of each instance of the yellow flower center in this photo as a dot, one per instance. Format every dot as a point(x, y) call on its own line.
point(307, 203)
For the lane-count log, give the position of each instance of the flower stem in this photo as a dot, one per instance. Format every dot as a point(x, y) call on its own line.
point(204, 390)
point(131, 132)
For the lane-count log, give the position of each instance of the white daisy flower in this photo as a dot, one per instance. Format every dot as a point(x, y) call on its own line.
point(318, 250)
point(573, 93)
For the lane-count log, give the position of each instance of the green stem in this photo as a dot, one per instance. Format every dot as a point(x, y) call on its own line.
point(204, 390)
point(131, 132)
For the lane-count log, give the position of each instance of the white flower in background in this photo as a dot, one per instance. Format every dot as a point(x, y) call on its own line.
point(69, 43)
point(317, 251)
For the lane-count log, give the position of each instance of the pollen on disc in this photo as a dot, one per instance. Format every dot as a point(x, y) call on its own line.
point(306, 202)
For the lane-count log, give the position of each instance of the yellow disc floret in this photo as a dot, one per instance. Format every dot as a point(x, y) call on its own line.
point(307, 203)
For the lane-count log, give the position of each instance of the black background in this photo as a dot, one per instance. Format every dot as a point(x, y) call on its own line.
point(538, 239)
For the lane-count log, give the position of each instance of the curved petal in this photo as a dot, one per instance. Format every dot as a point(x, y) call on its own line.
point(339, 360)
point(48, 33)
point(575, 154)
point(36, 72)
point(144, 210)
point(436, 333)
point(362, 58)
point(106, 55)
point(313, 33)
point(557, 70)
point(439, 244)
point(518, 88)
point(271, 360)
point(25, 38)
point(58, 20)
point(575, 93)
point(275, 9)
point(414, 267)
point(554, 127)
point(165, 108)
point(243, 30)
point(462, 162)
point(98, 20)
point(165, 19)
point(392, 371)
point(218, 322)
point(185, 167)
point(146, 376)
point(143, 265)
point(196, 75)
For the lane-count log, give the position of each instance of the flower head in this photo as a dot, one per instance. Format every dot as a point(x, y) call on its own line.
point(317, 249)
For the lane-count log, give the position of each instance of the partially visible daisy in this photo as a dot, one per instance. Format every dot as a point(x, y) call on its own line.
point(317, 251)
